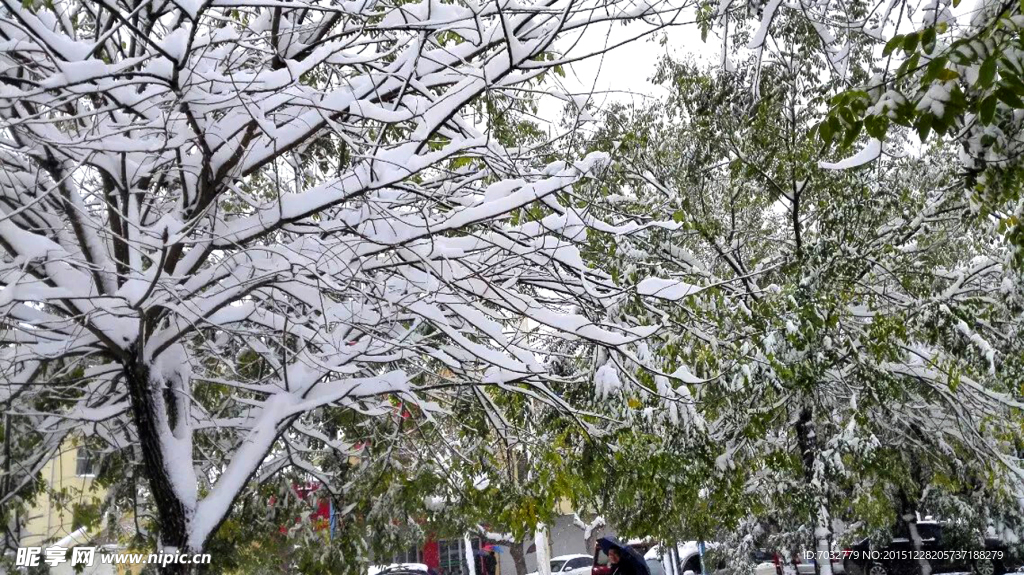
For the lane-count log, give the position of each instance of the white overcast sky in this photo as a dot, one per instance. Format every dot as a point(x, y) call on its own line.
point(623, 73)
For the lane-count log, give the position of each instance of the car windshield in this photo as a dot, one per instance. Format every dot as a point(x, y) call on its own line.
point(928, 531)
point(761, 555)
point(557, 566)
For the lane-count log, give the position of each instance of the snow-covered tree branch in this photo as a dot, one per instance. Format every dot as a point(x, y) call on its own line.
point(217, 218)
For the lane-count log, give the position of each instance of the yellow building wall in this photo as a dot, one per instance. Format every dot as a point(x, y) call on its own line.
point(50, 518)
point(564, 507)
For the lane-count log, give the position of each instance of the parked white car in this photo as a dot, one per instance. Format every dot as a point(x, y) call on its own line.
point(399, 569)
point(687, 553)
point(765, 562)
point(766, 568)
point(575, 564)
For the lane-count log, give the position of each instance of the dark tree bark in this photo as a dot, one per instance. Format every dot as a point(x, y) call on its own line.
point(808, 445)
point(518, 557)
point(171, 511)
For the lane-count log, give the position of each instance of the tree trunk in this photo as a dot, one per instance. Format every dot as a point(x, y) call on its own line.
point(808, 445)
point(543, 551)
point(590, 529)
point(172, 513)
point(908, 511)
point(673, 560)
point(909, 507)
point(470, 558)
point(590, 543)
point(518, 557)
point(823, 543)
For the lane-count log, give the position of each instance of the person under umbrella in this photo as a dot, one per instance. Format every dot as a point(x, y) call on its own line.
point(490, 561)
point(619, 566)
point(624, 559)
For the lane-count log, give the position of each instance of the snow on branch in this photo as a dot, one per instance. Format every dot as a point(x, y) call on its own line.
point(220, 219)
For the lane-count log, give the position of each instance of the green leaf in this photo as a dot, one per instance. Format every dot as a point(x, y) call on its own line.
point(1009, 97)
point(909, 65)
point(1010, 64)
point(1011, 80)
point(913, 61)
point(892, 44)
point(934, 68)
point(987, 109)
point(876, 126)
point(924, 126)
point(825, 131)
point(461, 161)
point(859, 101)
point(987, 73)
point(957, 100)
point(928, 40)
point(847, 115)
point(858, 95)
point(852, 133)
point(910, 42)
point(835, 124)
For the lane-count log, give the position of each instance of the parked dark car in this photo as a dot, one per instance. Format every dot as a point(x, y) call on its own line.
point(943, 545)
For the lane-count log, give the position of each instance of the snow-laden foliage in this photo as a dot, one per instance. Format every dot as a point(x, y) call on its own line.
point(224, 223)
point(849, 341)
point(248, 245)
point(941, 70)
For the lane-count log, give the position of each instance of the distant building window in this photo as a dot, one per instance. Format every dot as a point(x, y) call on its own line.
point(85, 462)
point(411, 555)
point(452, 555)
